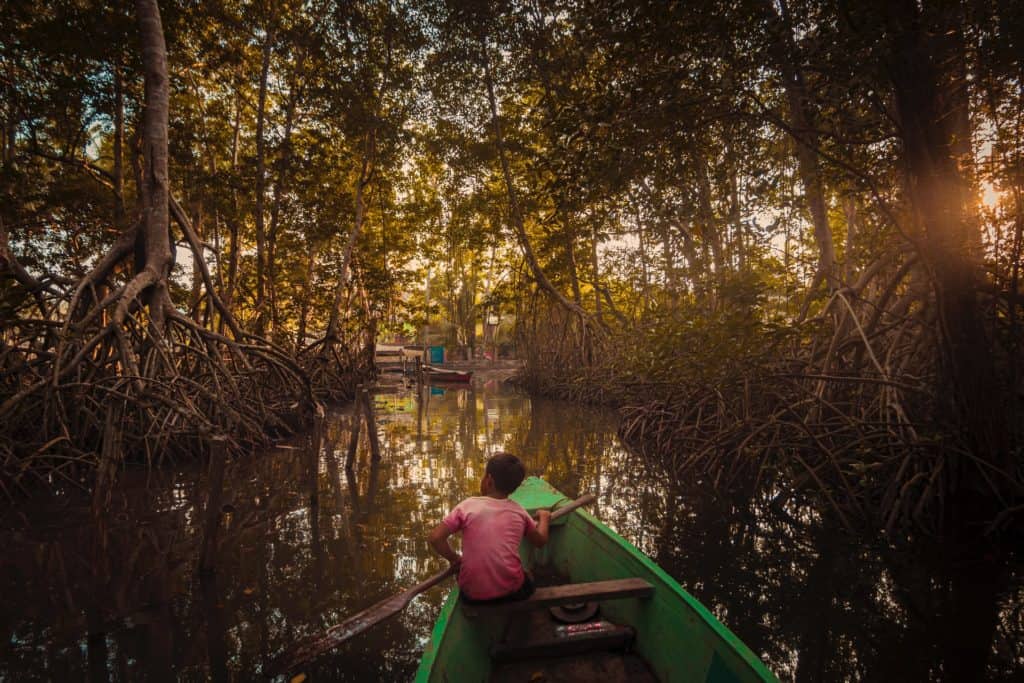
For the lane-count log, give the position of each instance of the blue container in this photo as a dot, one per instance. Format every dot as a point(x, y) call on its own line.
point(436, 355)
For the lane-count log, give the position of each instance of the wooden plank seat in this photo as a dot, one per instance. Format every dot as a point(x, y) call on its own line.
point(564, 640)
point(567, 594)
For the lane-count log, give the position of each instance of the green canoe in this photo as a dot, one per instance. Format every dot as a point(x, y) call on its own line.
point(670, 632)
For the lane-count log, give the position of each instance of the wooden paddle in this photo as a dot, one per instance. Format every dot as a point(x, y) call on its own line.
point(312, 647)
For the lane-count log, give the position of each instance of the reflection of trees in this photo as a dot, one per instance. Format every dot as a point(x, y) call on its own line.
point(820, 605)
point(216, 634)
point(816, 604)
point(102, 587)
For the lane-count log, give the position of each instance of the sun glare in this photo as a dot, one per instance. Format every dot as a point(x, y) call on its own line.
point(990, 196)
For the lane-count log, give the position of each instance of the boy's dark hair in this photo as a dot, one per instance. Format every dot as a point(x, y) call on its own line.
point(507, 471)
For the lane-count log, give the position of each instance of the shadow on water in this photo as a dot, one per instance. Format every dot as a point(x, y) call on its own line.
point(306, 542)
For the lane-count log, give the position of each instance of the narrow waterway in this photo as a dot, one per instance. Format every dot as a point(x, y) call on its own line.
point(117, 598)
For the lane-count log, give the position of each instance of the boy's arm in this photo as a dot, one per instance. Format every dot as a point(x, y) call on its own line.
point(538, 535)
point(438, 538)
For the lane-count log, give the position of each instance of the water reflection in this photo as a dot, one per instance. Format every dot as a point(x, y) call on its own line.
point(306, 542)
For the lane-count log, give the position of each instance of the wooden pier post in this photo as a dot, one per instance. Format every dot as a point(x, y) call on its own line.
point(215, 492)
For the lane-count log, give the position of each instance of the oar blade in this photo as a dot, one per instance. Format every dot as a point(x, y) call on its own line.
point(310, 648)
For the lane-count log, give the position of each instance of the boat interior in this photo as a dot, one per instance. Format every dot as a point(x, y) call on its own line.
point(560, 633)
point(602, 611)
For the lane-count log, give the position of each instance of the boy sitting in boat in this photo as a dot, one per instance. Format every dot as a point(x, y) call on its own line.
point(492, 526)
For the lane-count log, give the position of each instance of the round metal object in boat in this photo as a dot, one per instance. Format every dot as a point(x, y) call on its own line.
point(575, 613)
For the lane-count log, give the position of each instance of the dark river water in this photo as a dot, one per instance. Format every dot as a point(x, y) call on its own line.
point(117, 597)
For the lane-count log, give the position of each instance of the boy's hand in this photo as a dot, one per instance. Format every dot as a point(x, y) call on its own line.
point(438, 539)
point(538, 535)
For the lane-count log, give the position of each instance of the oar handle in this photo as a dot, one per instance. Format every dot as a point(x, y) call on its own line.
point(585, 499)
point(432, 581)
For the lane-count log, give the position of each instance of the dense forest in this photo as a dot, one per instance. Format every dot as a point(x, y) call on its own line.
point(784, 236)
point(756, 266)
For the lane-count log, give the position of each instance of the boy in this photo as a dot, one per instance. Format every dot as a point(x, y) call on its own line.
point(492, 527)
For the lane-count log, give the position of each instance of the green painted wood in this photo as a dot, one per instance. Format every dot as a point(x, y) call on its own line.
point(680, 639)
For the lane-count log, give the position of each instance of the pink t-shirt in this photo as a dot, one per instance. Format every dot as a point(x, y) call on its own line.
point(491, 531)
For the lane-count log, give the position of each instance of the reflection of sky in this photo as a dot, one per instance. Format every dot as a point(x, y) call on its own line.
point(811, 603)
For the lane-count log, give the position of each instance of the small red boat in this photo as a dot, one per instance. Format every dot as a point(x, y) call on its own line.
point(435, 374)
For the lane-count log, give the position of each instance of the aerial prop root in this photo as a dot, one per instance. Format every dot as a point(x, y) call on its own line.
point(332, 369)
point(180, 382)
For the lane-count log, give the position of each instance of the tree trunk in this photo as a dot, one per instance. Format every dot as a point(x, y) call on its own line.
point(645, 282)
point(261, 183)
point(849, 263)
point(119, 210)
point(801, 123)
point(233, 247)
point(515, 214)
point(154, 193)
point(5, 129)
point(197, 278)
point(710, 225)
point(574, 275)
point(668, 262)
point(283, 171)
point(596, 265)
point(958, 89)
point(735, 218)
point(307, 294)
point(365, 173)
point(941, 198)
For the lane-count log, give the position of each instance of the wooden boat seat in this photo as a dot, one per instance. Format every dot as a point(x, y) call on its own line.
point(567, 594)
point(601, 636)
